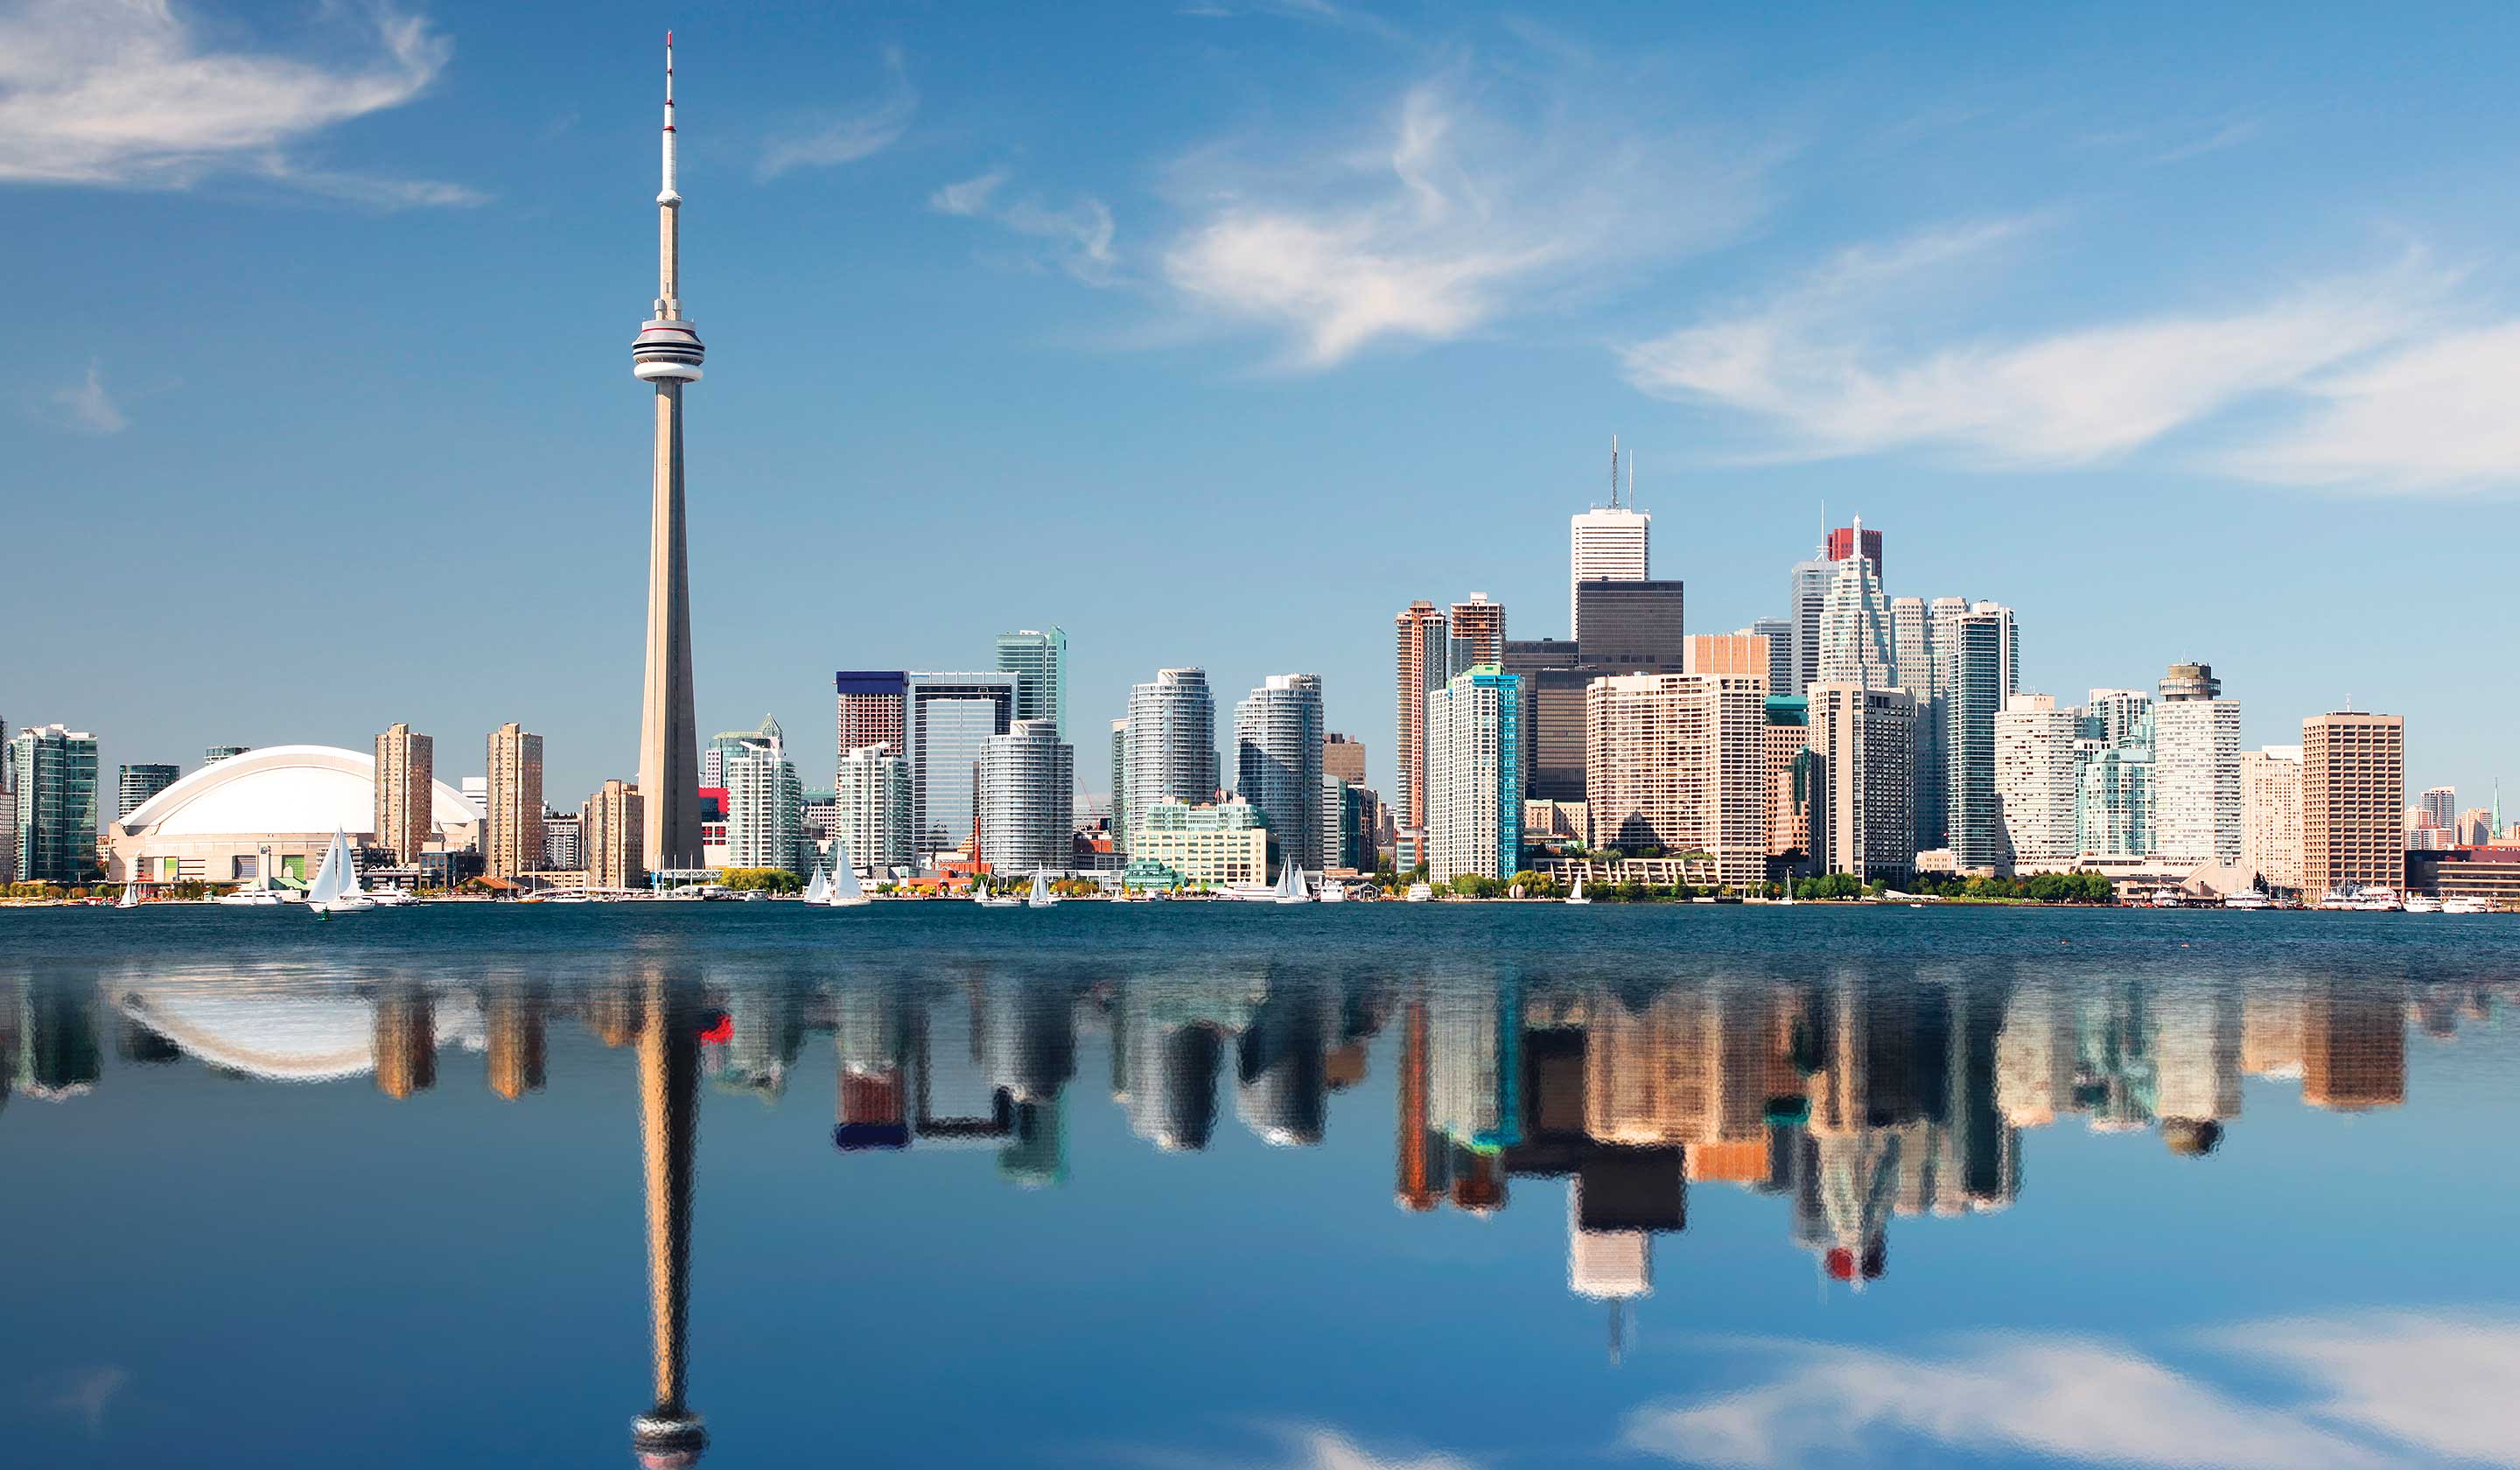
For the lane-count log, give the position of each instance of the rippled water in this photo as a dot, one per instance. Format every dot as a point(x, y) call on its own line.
point(1429, 1186)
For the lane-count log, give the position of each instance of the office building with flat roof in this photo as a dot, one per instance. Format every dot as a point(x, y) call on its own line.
point(2352, 797)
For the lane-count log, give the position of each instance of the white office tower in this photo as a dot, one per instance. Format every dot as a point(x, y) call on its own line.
point(1610, 544)
point(1278, 739)
point(1980, 667)
point(1863, 817)
point(2271, 815)
point(1806, 595)
point(2034, 783)
point(1912, 644)
point(765, 802)
point(2196, 768)
point(1026, 795)
point(1474, 775)
point(874, 812)
point(1172, 741)
point(1855, 626)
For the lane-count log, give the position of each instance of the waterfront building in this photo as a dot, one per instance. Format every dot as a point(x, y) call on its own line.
point(512, 829)
point(2036, 785)
point(1637, 627)
point(1219, 844)
point(2113, 809)
point(1980, 670)
point(948, 719)
point(2352, 788)
point(1679, 762)
point(563, 841)
point(1120, 786)
point(1424, 642)
point(1027, 799)
point(765, 799)
point(54, 770)
point(1347, 825)
point(1610, 542)
point(1172, 741)
point(1038, 658)
point(214, 824)
point(406, 774)
point(873, 708)
point(1343, 758)
point(136, 783)
point(8, 806)
point(1863, 820)
point(1854, 627)
point(875, 809)
point(1473, 760)
point(213, 754)
point(1792, 774)
point(1277, 759)
point(1477, 632)
point(2197, 801)
point(612, 837)
point(2271, 815)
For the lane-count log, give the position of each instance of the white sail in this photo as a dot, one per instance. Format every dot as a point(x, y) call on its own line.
point(130, 897)
point(1295, 884)
point(844, 887)
point(819, 888)
point(1041, 897)
point(332, 877)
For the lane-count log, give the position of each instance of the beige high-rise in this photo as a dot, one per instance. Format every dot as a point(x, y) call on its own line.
point(406, 776)
point(2353, 802)
point(1744, 654)
point(512, 835)
point(1679, 761)
point(613, 830)
point(2271, 815)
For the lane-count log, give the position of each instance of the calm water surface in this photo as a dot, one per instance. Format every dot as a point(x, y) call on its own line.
point(1433, 1187)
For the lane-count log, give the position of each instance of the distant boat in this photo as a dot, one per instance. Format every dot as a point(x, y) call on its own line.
point(1290, 885)
point(1041, 897)
point(336, 889)
point(2247, 898)
point(130, 898)
point(257, 894)
point(981, 896)
point(2422, 902)
point(1577, 897)
point(2466, 905)
point(819, 888)
point(1333, 892)
point(2377, 898)
point(1421, 893)
point(845, 890)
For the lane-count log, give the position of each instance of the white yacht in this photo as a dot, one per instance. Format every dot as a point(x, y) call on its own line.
point(130, 897)
point(2461, 905)
point(2378, 899)
point(2247, 898)
point(1041, 897)
point(1421, 893)
point(2335, 899)
point(1333, 892)
point(1577, 897)
point(2422, 902)
point(981, 896)
point(257, 894)
point(336, 889)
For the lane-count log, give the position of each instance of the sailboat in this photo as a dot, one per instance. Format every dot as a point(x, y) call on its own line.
point(819, 888)
point(1577, 897)
point(130, 898)
point(1041, 897)
point(336, 889)
point(981, 896)
point(1291, 888)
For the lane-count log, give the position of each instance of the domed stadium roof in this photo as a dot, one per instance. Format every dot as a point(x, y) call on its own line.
point(281, 788)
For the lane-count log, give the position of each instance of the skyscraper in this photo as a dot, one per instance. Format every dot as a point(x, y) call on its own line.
point(1862, 818)
point(1027, 799)
point(765, 801)
point(1424, 664)
point(668, 354)
point(1343, 758)
point(1172, 741)
point(1473, 785)
point(57, 827)
point(1610, 543)
point(511, 833)
point(1855, 626)
point(1678, 762)
point(1842, 541)
point(1478, 632)
point(2439, 804)
point(8, 806)
point(1982, 671)
point(1277, 760)
point(1039, 661)
point(1636, 625)
point(1780, 633)
point(406, 776)
point(612, 836)
point(2271, 815)
point(2034, 784)
point(874, 708)
point(2353, 795)
point(1743, 655)
point(213, 754)
point(948, 719)
point(1920, 673)
point(135, 785)
point(2110, 716)
point(2196, 807)
point(2113, 807)
point(1806, 596)
point(874, 810)
point(1120, 786)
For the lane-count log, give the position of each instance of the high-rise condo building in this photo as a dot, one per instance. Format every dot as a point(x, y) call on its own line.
point(2110, 716)
point(2196, 768)
point(2439, 804)
point(135, 785)
point(564, 840)
point(1981, 667)
point(1610, 543)
point(1473, 787)
point(1277, 760)
point(1424, 641)
point(1920, 673)
point(2271, 815)
point(1854, 627)
point(213, 754)
point(2352, 790)
point(512, 833)
point(8, 806)
point(1172, 741)
point(1806, 598)
point(1120, 786)
point(57, 822)
point(613, 834)
point(2035, 787)
point(1343, 758)
point(1027, 798)
point(1478, 632)
point(873, 799)
point(1679, 762)
point(874, 708)
point(765, 800)
point(1636, 627)
point(2113, 805)
point(1346, 810)
point(1038, 658)
point(1862, 821)
point(406, 776)
point(948, 719)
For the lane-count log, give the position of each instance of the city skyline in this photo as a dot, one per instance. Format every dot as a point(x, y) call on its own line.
point(543, 476)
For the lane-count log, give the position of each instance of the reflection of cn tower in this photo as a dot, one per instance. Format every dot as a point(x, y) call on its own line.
point(668, 1436)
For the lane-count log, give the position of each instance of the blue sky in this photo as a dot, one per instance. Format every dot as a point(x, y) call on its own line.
point(1216, 333)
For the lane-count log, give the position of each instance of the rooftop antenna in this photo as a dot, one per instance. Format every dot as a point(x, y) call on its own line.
point(1614, 472)
point(1632, 482)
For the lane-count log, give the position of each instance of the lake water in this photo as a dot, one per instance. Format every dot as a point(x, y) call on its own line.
point(1343, 1188)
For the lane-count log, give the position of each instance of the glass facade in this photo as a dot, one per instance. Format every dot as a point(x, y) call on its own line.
point(949, 719)
point(1277, 763)
point(56, 775)
point(1038, 658)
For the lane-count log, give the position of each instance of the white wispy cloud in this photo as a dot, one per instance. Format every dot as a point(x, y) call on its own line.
point(1821, 364)
point(2440, 414)
point(1473, 198)
point(2449, 1385)
point(127, 93)
point(1076, 238)
point(857, 132)
point(88, 407)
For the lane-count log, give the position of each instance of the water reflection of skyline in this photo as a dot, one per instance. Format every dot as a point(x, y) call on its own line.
point(1853, 1097)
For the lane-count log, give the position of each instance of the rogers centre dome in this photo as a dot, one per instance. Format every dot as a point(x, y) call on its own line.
point(211, 825)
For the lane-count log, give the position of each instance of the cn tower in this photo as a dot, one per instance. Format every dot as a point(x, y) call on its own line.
point(668, 354)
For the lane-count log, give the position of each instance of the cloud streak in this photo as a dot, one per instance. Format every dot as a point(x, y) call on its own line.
point(124, 93)
point(88, 407)
point(860, 132)
point(1077, 239)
